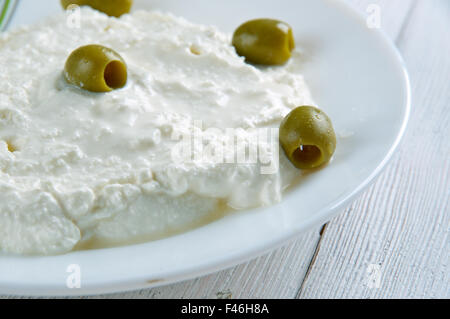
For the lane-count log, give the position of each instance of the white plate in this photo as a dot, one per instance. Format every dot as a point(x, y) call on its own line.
point(355, 73)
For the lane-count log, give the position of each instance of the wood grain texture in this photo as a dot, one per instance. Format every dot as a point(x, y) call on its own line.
point(402, 222)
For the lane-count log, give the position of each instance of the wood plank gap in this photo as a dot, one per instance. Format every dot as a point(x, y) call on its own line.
point(313, 259)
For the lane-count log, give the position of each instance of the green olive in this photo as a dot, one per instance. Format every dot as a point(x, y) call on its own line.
point(264, 41)
point(96, 68)
point(307, 137)
point(114, 8)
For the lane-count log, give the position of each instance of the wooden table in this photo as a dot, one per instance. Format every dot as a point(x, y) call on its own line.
point(393, 241)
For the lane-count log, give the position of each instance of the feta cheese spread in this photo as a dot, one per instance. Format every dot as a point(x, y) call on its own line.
point(87, 170)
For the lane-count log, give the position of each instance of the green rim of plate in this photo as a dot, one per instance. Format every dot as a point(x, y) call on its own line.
point(6, 12)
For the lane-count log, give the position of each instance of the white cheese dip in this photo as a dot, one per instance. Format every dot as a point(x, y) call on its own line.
point(83, 170)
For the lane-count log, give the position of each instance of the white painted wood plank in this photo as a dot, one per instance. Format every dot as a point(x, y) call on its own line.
point(402, 222)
